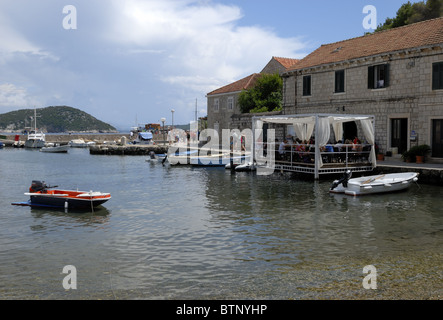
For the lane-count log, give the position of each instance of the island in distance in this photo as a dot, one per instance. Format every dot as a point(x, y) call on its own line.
point(54, 119)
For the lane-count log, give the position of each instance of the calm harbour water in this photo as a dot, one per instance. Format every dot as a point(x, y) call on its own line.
point(200, 233)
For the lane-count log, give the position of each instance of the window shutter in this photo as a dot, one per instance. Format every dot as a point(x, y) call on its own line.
point(371, 77)
point(340, 81)
point(307, 85)
point(437, 76)
point(387, 75)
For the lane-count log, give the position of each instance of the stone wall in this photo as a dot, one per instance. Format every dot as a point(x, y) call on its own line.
point(409, 94)
point(244, 121)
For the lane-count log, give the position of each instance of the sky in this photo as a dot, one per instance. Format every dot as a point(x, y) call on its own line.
point(129, 62)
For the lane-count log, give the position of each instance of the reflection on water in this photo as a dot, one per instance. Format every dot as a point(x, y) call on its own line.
point(180, 232)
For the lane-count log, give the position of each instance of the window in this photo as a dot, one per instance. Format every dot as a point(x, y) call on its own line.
point(216, 105)
point(339, 81)
point(437, 76)
point(230, 104)
point(378, 76)
point(307, 85)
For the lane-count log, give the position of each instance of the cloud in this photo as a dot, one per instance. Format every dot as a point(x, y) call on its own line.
point(129, 57)
point(13, 42)
point(200, 40)
point(12, 96)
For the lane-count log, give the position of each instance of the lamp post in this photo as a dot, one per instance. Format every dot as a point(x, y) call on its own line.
point(172, 111)
point(163, 121)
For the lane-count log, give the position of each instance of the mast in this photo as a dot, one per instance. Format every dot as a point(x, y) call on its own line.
point(196, 109)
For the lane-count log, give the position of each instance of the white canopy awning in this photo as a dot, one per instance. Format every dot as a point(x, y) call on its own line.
point(304, 126)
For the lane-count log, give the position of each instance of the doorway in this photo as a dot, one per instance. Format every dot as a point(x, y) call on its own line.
point(399, 134)
point(437, 138)
point(349, 130)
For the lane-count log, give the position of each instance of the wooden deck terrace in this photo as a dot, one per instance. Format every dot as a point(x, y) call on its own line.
point(334, 159)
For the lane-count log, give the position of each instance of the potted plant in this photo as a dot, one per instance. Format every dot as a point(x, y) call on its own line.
point(379, 153)
point(407, 156)
point(420, 152)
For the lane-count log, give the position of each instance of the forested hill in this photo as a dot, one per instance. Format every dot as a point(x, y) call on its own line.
point(53, 119)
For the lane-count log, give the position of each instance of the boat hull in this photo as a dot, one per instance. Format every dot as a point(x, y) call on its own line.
point(69, 199)
point(221, 160)
point(57, 149)
point(377, 184)
point(34, 143)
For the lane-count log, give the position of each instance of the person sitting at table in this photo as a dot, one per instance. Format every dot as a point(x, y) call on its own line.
point(299, 149)
point(339, 148)
point(281, 149)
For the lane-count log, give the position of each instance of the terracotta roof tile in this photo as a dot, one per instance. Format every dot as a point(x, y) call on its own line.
point(239, 85)
point(411, 36)
point(286, 62)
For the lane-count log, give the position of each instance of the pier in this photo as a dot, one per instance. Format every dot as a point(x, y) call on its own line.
point(128, 149)
point(430, 173)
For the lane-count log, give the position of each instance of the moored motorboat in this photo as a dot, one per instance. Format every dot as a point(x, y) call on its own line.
point(248, 166)
point(42, 195)
point(80, 143)
point(153, 157)
point(213, 160)
point(35, 140)
point(382, 183)
point(56, 149)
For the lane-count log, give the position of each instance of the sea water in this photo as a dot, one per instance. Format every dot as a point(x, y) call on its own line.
point(204, 233)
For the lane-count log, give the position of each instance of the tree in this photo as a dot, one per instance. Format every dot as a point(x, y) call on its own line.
point(412, 13)
point(265, 96)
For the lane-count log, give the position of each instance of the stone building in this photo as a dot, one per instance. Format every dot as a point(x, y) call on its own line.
point(395, 75)
point(223, 109)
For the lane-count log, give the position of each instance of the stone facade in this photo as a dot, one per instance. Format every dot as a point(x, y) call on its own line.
point(388, 74)
point(223, 108)
point(408, 95)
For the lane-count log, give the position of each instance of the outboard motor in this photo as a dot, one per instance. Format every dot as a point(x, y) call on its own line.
point(152, 154)
point(343, 180)
point(37, 186)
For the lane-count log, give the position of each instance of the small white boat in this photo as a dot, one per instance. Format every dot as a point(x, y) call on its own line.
point(56, 149)
point(80, 143)
point(213, 160)
point(249, 166)
point(373, 184)
point(153, 157)
point(41, 195)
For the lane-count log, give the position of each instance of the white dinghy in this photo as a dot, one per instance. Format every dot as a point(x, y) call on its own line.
point(373, 184)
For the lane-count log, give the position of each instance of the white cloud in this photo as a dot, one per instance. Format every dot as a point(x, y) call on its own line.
point(12, 96)
point(136, 56)
point(200, 40)
point(13, 43)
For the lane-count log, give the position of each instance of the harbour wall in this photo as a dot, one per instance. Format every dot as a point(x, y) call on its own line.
point(128, 149)
point(428, 174)
point(66, 137)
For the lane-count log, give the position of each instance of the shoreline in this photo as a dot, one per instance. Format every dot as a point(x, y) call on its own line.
point(64, 138)
point(430, 173)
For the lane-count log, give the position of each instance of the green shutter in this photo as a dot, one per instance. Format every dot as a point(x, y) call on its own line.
point(437, 76)
point(307, 85)
point(340, 81)
point(371, 77)
point(386, 75)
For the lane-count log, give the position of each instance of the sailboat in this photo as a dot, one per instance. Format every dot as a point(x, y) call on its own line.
point(35, 139)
